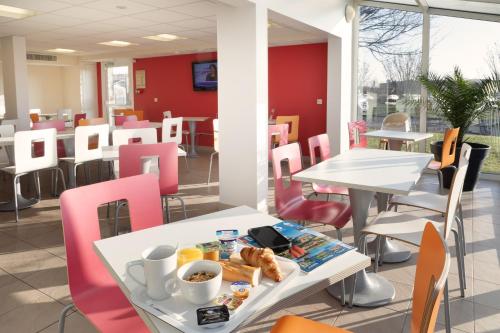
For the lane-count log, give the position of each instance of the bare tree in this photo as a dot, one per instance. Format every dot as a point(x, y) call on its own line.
point(493, 59)
point(380, 30)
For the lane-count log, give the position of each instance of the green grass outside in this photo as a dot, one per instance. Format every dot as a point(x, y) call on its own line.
point(492, 163)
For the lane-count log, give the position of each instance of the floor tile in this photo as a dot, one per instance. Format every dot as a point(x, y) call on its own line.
point(75, 323)
point(361, 320)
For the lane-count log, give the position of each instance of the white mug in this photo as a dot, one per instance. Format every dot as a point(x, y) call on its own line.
point(159, 264)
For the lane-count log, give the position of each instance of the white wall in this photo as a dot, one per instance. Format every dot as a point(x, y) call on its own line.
point(71, 88)
point(46, 90)
point(88, 81)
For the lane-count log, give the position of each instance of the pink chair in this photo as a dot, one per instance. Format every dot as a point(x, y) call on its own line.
point(282, 129)
point(119, 120)
point(94, 291)
point(291, 204)
point(136, 124)
point(59, 126)
point(322, 143)
point(132, 163)
point(356, 139)
point(77, 117)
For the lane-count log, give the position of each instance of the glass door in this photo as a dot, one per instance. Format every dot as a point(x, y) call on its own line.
point(117, 88)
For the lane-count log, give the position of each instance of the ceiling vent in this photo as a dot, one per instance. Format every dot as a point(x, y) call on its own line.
point(41, 57)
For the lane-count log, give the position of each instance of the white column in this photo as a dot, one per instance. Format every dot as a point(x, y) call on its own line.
point(338, 109)
point(15, 79)
point(242, 104)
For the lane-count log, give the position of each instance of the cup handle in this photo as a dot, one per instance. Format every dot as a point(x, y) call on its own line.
point(131, 264)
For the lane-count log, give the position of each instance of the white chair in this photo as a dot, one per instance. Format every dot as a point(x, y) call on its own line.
point(66, 115)
point(84, 152)
point(171, 131)
point(398, 121)
point(168, 114)
point(126, 136)
point(5, 151)
point(409, 229)
point(215, 124)
point(25, 163)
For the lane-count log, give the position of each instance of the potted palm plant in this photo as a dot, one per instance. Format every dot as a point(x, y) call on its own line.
point(462, 102)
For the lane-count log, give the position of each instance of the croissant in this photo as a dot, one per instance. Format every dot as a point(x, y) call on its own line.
point(263, 258)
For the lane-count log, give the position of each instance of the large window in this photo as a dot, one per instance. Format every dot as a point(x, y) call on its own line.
point(474, 47)
point(388, 65)
point(390, 60)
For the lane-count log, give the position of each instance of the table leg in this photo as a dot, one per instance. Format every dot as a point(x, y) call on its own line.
point(371, 289)
point(192, 132)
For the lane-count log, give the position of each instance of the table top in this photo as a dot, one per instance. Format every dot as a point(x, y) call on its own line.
point(195, 118)
point(111, 153)
point(377, 170)
point(399, 135)
point(115, 252)
point(62, 135)
point(47, 114)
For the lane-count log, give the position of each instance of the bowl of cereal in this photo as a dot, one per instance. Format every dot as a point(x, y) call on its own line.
point(200, 280)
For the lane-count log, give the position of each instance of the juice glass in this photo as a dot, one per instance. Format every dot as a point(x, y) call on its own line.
point(188, 254)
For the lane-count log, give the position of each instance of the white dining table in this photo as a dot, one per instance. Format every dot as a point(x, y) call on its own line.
point(398, 136)
point(366, 172)
point(116, 252)
point(192, 121)
point(111, 153)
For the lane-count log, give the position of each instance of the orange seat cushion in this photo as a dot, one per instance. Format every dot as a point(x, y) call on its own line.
point(294, 324)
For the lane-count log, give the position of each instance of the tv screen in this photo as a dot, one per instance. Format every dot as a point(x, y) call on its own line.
point(205, 75)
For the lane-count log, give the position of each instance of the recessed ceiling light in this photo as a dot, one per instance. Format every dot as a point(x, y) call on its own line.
point(15, 12)
point(121, 7)
point(58, 50)
point(164, 37)
point(117, 43)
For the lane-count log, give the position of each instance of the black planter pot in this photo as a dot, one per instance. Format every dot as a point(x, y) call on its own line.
point(478, 154)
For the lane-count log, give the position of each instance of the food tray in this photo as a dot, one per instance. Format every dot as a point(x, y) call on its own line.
point(181, 314)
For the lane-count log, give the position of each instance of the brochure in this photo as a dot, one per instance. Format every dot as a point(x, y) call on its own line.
point(310, 249)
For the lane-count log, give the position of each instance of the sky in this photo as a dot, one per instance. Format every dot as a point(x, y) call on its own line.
point(454, 41)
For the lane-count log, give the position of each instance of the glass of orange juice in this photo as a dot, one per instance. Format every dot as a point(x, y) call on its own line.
point(188, 254)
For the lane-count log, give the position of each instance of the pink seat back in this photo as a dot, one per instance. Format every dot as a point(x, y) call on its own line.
point(59, 126)
point(81, 225)
point(356, 139)
point(119, 120)
point(136, 124)
point(282, 129)
point(319, 141)
point(77, 117)
point(286, 195)
point(131, 157)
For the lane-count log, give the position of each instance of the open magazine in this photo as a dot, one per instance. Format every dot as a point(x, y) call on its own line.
point(310, 249)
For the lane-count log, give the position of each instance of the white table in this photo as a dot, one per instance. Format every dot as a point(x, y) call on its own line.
point(192, 132)
point(366, 172)
point(398, 136)
point(115, 252)
point(47, 115)
point(111, 153)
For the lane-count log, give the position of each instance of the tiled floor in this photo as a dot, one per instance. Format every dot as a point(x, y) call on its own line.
point(33, 284)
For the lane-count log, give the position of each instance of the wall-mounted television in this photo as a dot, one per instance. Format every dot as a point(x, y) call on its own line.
point(205, 75)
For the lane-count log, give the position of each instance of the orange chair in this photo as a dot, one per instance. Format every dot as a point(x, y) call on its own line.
point(121, 112)
point(433, 264)
point(35, 118)
point(129, 112)
point(293, 127)
point(447, 154)
point(91, 121)
point(93, 142)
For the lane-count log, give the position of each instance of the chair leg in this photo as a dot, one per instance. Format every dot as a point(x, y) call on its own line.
point(328, 197)
point(36, 176)
point(182, 205)
point(62, 179)
point(87, 174)
point(167, 209)
point(62, 316)
point(377, 254)
point(99, 171)
point(461, 217)
point(353, 289)
point(339, 234)
point(210, 166)
point(117, 212)
point(186, 160)
point(16, 205)
point(447, 308)
point(440, 179)
point(382, 250)
point(461, 267)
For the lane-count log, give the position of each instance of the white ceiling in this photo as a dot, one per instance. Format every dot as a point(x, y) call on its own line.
point(82, 24)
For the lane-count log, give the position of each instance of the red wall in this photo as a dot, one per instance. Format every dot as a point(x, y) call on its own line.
point(99, 89)
point(297, 77)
